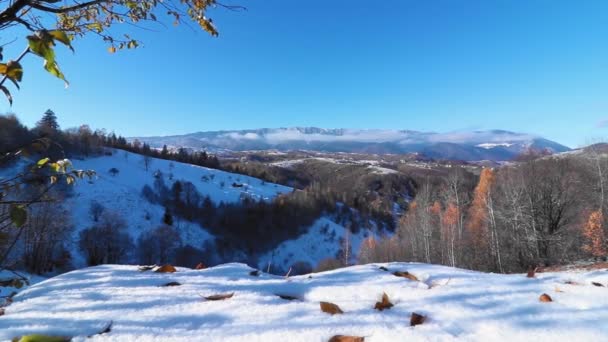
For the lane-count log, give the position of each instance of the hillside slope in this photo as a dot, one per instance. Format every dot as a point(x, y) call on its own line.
point(121, 193)
point(459, 305)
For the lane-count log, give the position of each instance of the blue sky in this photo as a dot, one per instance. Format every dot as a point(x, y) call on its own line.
point(530, 66)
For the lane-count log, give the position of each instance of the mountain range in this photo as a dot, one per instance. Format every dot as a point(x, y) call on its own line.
point(495, 145)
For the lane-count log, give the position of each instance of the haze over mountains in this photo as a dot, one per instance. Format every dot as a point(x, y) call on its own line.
point(495, 145)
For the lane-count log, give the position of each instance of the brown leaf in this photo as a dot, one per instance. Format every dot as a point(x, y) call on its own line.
point(384, 304)
point(406, 274)
point(417, 319)
point(173, 283)
point(287, 297)
point(597, 284)
point(531, 272)
point(220, 296)
point(343, 338)
point(331, 308)
point(545, 298)
point(166, 269)
point(200, 266)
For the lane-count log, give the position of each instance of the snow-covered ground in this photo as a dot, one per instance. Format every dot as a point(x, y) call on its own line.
point(459, 305)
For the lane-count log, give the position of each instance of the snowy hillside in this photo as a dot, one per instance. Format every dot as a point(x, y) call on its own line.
point(458, 305)
point(321, 241)
point(121, 193)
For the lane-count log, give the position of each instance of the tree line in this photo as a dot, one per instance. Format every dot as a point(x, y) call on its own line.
point(536, 212)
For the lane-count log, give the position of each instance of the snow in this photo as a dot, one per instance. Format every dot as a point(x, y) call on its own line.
point(488, 146)
point(382, 170)
point(460, 305)
point(321, 241)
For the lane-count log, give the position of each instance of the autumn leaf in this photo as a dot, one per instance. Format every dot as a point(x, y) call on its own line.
point(200, 266)
point(343, 338)
point(384, 304)
point(330, 308)
point(406, 274)
point(219, 296)
point(166, 269)
point(417, 319)
point(545, 298)
point(531, 272)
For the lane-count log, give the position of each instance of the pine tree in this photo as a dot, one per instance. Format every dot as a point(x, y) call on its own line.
point(48, 123)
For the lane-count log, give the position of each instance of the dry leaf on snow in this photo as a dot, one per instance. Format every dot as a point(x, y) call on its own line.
point(330, 308)
point(220, 296)
point(166, 269)
point(417, 319)
point(384, 304)
point(545, 298)
point(406, 274)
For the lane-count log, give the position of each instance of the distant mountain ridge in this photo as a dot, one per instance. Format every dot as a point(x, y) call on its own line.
point(496, 145)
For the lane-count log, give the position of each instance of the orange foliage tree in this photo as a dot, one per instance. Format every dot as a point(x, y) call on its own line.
point(478, 215)
point(593, 231)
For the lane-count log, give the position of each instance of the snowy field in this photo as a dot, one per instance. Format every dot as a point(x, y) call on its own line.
point(459, 305)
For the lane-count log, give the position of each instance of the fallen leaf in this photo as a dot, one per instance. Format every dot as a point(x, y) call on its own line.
point(597, 284)
point(545, 298)
point(343, 338)
point(384, 304)
point(557, 289)
point(406, 274)
point(173, 283)
point(255, 273)
point(220, 296)
point(287, 297)
point(383, 268)
point(200, 266)
point(531, 272)
point(417, 319)
point(2, 312)
point(166, 269)
point(330, 308)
